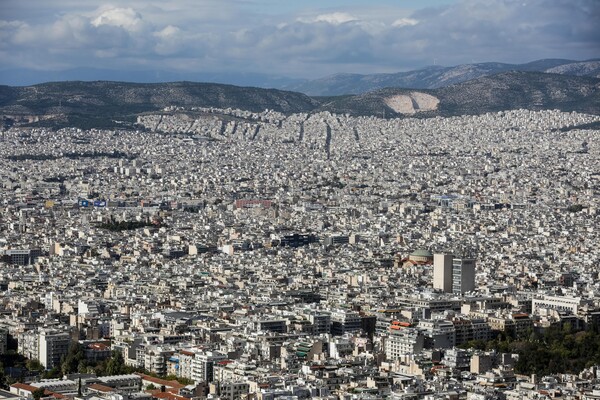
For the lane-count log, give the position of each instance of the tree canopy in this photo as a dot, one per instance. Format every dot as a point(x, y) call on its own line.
point(556, 350)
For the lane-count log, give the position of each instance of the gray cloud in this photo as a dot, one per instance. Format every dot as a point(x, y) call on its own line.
point(207, 36)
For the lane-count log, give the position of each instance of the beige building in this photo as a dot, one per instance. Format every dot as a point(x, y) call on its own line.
point(453, 274)
point(442, 272)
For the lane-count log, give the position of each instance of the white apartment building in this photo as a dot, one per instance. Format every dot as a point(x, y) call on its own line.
point(403, 341)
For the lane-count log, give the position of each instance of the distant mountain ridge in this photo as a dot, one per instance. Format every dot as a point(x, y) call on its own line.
point(29, 77)
point(104, 104)
point(435, 77)
point(505, 91)
point(91, 100)
point(430, 77)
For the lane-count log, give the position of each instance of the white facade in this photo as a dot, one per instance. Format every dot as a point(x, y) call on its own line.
point(403, 341)
point(52, 347)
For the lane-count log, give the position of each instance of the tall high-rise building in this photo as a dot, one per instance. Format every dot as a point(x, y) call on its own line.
point(453, 274)
point(463, 275)
point(442, 272)
point(53, 346)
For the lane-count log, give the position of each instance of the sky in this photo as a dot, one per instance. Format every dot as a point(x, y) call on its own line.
point(289, 38)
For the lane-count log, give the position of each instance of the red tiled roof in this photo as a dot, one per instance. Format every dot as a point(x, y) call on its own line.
point(101, 388)
point(167, 396)
point(29, 388)
point(97, 346)
point(23, 386)
point(158, 381)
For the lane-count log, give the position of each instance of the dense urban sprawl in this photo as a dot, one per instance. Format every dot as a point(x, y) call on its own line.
point(265, 256)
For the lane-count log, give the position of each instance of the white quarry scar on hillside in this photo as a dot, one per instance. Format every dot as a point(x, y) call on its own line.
point(412, 103)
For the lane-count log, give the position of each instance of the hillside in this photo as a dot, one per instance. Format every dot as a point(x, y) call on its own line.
point(510, 90)
point(530, 90)
point(119, 100)
point(436, 76)
point(117, 104)
point(584, 68)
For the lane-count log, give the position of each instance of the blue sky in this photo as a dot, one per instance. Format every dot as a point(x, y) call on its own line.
point(299, 39)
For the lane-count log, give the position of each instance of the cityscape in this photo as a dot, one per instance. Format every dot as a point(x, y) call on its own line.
point(294, 200)
point(258, 255)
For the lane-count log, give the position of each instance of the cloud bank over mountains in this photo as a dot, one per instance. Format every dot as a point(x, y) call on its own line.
point(299, 41)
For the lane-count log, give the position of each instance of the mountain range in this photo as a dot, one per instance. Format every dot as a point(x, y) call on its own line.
point(99, 103)
point(29, 77)
point(434, 77)
point(431, 77)
point(505, 91)
point(107, 104)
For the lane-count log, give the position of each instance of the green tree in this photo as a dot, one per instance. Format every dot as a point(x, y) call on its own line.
point(116, 364)
point(53, 373)
point(38, 393)
point(180, 379)
point(34, 365)
point(82, 367)
point(2, 376)
point(72, 359)
point(575, 208)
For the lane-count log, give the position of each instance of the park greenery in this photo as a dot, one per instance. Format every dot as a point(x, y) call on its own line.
point(555, 350)
point(124, 225)
point(575, 208)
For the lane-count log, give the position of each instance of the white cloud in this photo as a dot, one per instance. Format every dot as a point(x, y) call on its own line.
point(126, 18)
point(12, 24)
point(335, 18)
point(405, 22)
point(167, 32)
point(169, 40)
